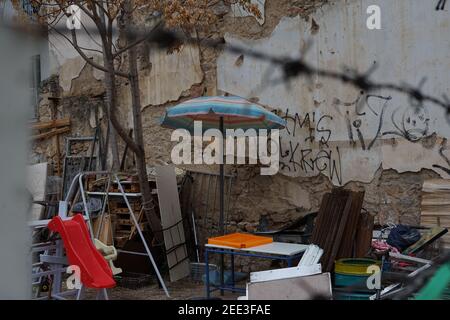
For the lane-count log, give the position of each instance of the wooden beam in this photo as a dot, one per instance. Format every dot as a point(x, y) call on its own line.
point(49, 134)
point(50, 124)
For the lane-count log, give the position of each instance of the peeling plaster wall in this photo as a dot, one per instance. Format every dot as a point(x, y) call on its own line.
point(238, 11)
point(171, 74)
point(65, 60)
point(334, 129)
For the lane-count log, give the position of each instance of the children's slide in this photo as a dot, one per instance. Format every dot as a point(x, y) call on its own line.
point(80, 251)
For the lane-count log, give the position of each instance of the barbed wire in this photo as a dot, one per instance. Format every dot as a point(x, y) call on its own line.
point(441, 5)
point(292, 68)
point(296, 67)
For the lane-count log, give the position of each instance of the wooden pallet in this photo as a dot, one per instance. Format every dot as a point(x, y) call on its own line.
point(124, 227)
point(125, 222)
point(120, 240)
point(121, 206)
point(119, 211)
point(128, 226)
point(128, 187)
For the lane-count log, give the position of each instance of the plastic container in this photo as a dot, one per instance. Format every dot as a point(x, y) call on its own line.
point(346, 280)
point(355, 267)
point(240, 240)
point(352, 273)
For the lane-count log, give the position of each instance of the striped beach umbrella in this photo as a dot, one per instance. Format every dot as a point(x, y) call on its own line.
point(235, 112)
point(222, 113)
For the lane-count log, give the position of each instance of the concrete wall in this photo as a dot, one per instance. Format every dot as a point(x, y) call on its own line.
point(335, 129)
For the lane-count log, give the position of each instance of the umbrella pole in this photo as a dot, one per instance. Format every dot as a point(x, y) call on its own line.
point(222, 181)
point(222, 196)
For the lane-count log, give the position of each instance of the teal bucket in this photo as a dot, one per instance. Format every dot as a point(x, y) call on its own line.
point(347, 280)
point(351, 296)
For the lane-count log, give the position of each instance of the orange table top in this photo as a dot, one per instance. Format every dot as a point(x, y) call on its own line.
point(240, 240)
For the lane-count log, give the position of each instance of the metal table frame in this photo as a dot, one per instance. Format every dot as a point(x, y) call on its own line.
point(237, 252)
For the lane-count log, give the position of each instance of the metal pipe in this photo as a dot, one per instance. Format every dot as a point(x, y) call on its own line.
point(102, 214)
point(195, 235)
point(222, 179)
point(230, 181)
point(72, 185)
point(132, 252)
point(86, 209)
point(216, 178)
point(207, 199)
point(221, 215)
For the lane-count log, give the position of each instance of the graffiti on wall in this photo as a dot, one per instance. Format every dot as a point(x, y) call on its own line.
point(297, 145)
point(310, 144)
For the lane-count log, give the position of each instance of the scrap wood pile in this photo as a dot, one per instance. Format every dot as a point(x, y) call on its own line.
point(117, 226)
point(346, 234)
point(436, 206)
point(341, 229)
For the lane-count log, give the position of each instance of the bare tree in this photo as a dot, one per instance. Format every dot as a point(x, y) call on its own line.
point(185, 15)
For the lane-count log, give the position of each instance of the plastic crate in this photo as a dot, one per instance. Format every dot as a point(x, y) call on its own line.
point(240, 240)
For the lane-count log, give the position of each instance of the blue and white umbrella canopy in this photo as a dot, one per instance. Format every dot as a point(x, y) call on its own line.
point(236, 112)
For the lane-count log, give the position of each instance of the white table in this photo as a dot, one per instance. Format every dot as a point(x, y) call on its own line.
point(274, 251)
point(276, 248)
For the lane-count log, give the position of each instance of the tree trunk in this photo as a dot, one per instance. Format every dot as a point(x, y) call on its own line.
point(147, 198)
point(110, 84)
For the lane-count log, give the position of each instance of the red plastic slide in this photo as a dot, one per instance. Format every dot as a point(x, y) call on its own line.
point(80, 250)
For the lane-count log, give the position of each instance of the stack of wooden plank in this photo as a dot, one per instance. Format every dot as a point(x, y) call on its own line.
point(122, 221)
point(48, 129)
point(436, 206)
point(341, 229)
point(128, 187)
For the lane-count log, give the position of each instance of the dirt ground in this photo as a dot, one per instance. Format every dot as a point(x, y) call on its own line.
point(180, 290)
